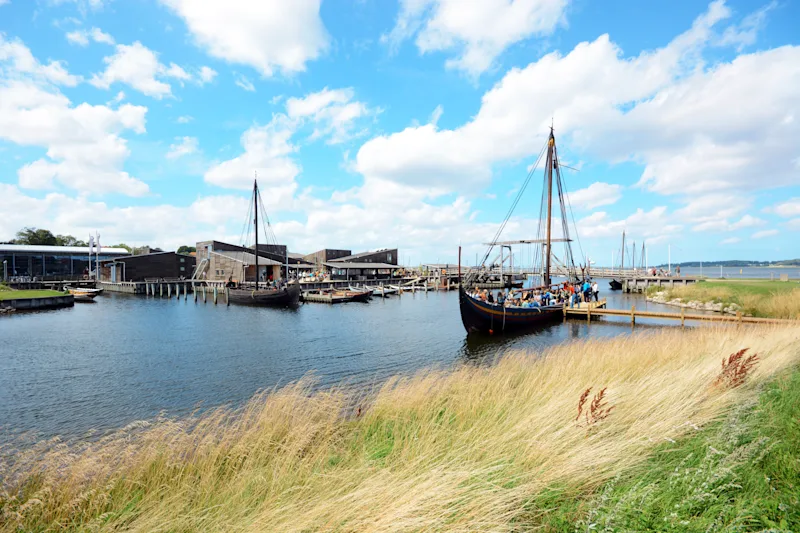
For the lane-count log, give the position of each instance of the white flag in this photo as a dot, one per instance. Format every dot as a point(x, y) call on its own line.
point(98, 243)
point(91, 243)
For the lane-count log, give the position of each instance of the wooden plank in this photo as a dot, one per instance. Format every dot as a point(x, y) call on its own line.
point(632, 313)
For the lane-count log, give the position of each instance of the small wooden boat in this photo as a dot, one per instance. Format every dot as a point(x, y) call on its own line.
point(84, 290)
point(333, 296)
point(615, 285)
point(82, 295)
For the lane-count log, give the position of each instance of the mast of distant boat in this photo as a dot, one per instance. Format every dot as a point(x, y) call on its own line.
point(255, 208)
point(549, 163)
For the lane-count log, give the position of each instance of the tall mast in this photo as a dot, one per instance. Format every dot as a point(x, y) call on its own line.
point(550, 144)
point(255, 208)
point(622, 265)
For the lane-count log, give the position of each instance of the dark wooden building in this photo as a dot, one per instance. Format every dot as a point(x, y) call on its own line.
point(387, 256)
point(321, 257)
point(166, 265)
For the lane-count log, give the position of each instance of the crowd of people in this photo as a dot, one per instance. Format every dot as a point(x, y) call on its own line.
point(565, 293)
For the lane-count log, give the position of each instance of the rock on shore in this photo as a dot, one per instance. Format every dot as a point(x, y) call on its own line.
point(719, 307)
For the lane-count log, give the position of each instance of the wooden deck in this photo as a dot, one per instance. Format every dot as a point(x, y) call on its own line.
point(590, 311)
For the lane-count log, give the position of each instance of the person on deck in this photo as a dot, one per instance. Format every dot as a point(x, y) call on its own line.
point(500, 298)
point(596, 290)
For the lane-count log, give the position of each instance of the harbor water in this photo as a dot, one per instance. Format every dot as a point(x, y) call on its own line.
point(102, 365)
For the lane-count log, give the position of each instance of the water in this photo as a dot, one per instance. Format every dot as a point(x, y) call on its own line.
point(102, 365)
point(742, 272)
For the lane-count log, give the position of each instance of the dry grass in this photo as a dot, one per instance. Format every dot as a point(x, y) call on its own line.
point(467, 450)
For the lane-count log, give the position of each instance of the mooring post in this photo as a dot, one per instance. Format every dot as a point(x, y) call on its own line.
point(739, 317)
point(185, 292)
point(227, 296)
point(588, 312)
point(194, 290)
point(633, 315)
point(682, 311)
point(215, 295)
point(204, 294)
point(169, 291)
point(161, 290)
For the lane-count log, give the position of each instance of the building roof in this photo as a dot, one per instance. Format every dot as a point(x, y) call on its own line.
point(142, 256)
point(339, 264)
point(362, 254)
point(246, 258)
point(43, 249)
point(293, 255)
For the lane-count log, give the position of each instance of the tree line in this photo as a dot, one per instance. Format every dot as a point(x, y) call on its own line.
point(44, 237)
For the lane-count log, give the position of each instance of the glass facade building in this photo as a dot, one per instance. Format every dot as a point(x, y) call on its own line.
point(20, 262)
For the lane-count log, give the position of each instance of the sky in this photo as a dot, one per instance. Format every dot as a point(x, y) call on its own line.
point(408, 124)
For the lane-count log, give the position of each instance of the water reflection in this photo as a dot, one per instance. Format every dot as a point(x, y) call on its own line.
point(127, 358)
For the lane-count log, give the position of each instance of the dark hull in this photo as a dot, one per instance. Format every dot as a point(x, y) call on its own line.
point(615, 285)
point(285, 297)
point(482, 317)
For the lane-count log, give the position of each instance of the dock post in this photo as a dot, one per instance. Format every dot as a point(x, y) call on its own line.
point(739, 317)
point(194, 290)
point(147, 289)
point(588, 312)
point(227, 296)
point(215, 295)
point(160, 290)
point(565, 311)
point(682, 311)
point(185, 292)
point(633, 315)
point(204, 294)
point(169, 291)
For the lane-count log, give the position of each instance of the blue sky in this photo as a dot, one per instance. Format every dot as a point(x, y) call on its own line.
point(407, 124)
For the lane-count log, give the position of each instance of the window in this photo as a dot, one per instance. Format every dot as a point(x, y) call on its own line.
point(389, 257)
point(183, 268)
point(183, 259)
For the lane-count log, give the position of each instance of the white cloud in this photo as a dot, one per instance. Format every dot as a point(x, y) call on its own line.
point(184, 146)
point(655, 225)
point(730, 240)
point(789, 208)
point(764, 234)
point(595, 195)
point(478, 30)
point(746, 32)
point(333, 112)
point(244, 83)
point(79, 37)
point(17, 60)
point(85, 151)
point(267, 35)
point(207, 74)
point(184, 119)
point(267, 151)
point(164, 225)
point(664, 109)
point(138, 66)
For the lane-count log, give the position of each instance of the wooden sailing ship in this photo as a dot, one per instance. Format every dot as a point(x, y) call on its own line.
point(260, 292)
point(480, 316)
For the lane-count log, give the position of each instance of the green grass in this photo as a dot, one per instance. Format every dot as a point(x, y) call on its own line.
point(739, 474)
point(762, 298)
point(13, 295)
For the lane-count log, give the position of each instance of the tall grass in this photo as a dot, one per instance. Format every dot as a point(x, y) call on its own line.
point(473, 449)
point(764, 299)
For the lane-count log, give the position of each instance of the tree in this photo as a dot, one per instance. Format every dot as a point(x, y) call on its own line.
point(123, 245)
point(186, 249)
point(36, 236)
point(69, 240)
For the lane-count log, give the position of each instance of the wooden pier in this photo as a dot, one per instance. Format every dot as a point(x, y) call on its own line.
point(590, 311)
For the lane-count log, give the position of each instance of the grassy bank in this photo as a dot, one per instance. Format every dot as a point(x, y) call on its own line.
point(773, 299)
point(11, 295)
point(475, 449)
